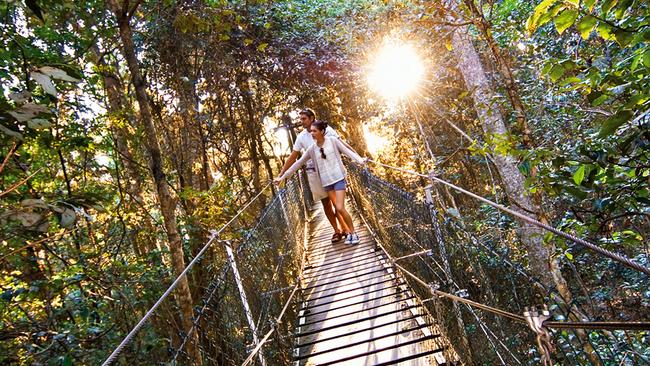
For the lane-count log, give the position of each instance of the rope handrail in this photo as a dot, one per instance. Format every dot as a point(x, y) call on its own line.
point(614, 256)
point(613, 325)
point(482, 278)
point(175, 283)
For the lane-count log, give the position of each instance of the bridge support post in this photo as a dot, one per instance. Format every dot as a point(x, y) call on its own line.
point(285, 214)
point(438, 232)
point(244, 299)
point(442, 251)
point(303, 193)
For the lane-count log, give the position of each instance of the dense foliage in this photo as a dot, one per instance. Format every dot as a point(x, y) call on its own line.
point(84, 236)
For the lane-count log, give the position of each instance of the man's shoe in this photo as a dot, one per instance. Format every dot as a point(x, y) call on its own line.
point(348, 239)
point(354, 238)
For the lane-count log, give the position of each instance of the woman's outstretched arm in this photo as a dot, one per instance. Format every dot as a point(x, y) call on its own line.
point(292, 169)
point(349, 152)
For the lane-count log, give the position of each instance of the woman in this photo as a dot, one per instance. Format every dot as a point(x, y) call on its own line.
point(326, 155)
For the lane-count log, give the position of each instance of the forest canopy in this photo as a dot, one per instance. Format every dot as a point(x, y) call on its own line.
point(130, 129)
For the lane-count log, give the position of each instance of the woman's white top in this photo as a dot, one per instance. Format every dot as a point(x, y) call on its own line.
point(304, 140)
point(330, 169)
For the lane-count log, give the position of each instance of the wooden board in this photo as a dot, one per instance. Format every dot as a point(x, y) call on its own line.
point(355, 308)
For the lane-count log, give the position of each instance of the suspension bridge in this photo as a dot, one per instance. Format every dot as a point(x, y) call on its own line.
point(420, 289)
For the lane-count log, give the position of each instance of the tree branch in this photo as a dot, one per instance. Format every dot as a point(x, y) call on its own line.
point(11, 151)
point(12, 188)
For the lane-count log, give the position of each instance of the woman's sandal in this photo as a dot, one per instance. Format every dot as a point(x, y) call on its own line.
point(337, 237)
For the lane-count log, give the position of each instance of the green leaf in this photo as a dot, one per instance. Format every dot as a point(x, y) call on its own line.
point(570, 80)
point(579, 175)
point(45, 82)
point(635, 61)
point(569, 255)
point(550, 14)
point(606, 31)
point(68, 217)
point(586, 25)
point(262, 47)
point(556, 72)
point(20, 97)
point(67, 361)
point(33, 202)
point(524, 167)
point(600, 100)
point(578, 193)
point(12, 133)
point(593, 96)
point(542, 8)
point(607, 5)
point(565, 20)
point(623, 38)
point(614, 122)
point(636, 100)
point(590, 4)
point(622, 7)
point(56, 73)
point(28, 111)
point(38, 123)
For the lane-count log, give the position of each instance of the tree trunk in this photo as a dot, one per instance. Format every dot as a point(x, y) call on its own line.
point(492, 123)
point(193, 152)
point(116, 106)
point(504, 70)
point(167, 202)
point(541, 259)
point(512, 91)
point(252, 128)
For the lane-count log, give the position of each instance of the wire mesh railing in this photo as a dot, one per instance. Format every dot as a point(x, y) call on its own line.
point(246, 291)
point(251, 287)
point(459, 258)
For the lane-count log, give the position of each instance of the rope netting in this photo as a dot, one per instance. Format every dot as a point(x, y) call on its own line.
point(470, 271)
point(250, 277)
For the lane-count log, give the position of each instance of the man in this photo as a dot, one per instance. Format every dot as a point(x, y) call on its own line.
point(303, 141)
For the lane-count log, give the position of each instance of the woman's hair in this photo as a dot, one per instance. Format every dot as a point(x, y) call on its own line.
point(321, 125)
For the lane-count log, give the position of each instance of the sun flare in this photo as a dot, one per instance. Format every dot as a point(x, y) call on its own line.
point(396, 71)
point(375, 142)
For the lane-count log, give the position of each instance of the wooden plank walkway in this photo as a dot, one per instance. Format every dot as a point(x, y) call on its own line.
point(355, 309)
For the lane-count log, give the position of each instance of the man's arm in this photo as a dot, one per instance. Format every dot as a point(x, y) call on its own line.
point(289, 162)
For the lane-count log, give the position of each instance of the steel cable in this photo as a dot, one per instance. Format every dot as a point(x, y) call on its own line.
point(150, 312)
point(614, 256)
point(614, 325)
